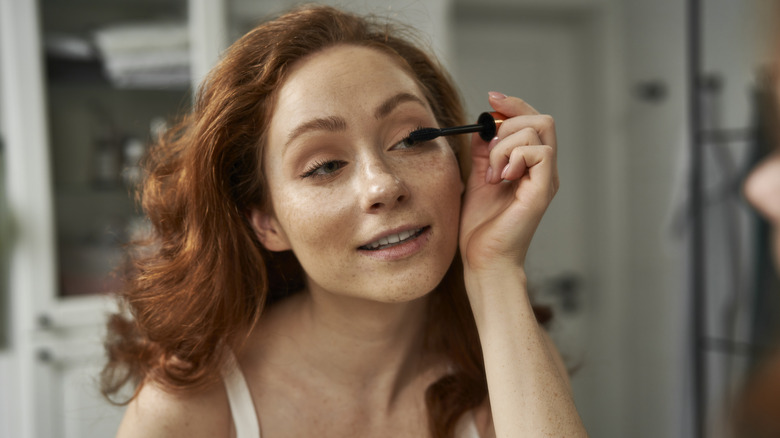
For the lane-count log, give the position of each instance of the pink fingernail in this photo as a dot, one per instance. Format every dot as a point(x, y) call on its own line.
point(492, 143)
point(496, 95)
point(489, 174)
point(504, 172)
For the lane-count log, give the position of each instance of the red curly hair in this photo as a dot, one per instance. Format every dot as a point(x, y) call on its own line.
point(200, 281)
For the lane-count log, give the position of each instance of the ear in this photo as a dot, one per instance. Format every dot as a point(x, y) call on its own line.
point(268, 231)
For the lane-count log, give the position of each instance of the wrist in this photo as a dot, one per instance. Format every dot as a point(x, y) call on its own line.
point(487, 261)
point(494, 277)
point(498, 293)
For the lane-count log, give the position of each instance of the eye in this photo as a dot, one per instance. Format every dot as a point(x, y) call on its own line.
point(323, 168)
point(404, 144)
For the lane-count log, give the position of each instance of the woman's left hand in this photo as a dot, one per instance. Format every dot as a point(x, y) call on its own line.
point(512, 181)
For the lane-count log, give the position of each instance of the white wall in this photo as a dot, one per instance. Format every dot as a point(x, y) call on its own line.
point(429, 16)
point(7, 390)
point(6, 358)
point(654, 342)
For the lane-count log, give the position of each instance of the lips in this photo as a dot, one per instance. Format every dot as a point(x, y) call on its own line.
point(391, 240)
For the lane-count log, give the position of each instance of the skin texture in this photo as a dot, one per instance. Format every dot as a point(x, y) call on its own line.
point(352, 342)
point(378, 186)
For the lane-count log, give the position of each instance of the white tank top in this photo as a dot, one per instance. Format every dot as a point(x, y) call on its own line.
point(242, 408)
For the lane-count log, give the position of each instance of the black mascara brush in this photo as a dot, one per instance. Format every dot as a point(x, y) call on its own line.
point(487, 126)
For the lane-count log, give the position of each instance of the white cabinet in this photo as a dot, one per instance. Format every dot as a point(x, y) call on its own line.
point(76, 113)
point(68, 402)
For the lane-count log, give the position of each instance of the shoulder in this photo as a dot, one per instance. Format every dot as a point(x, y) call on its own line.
point(155, 412)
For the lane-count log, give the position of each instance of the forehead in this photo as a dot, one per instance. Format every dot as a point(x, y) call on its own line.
point(341, 79)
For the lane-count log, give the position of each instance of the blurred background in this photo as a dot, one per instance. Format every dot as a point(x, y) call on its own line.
point(653, 263)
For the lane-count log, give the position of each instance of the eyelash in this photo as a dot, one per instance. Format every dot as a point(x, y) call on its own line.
point(407, 136)
point(317, 165)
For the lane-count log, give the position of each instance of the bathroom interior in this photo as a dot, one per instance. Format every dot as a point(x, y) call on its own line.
point(653, 263)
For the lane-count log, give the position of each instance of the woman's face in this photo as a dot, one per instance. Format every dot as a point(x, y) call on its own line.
point(366, 215)
point(762, 189)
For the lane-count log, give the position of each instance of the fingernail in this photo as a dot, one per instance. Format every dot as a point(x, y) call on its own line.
point(489, 174)
point(503, 172)
point(492, 143)
point(496, 95)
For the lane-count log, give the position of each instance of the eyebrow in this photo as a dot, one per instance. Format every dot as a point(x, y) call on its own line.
point(389, 105)
point(332, 124)
point(337, 124)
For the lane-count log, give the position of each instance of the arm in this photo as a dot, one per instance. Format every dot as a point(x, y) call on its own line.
point(528, 387)
point(529, 394)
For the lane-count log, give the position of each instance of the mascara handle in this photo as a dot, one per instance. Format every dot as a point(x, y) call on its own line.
point(490, 122)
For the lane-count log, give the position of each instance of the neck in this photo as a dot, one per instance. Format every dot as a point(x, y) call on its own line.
point(368, 349)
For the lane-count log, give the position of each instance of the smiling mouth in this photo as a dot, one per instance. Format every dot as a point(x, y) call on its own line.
point(393, 239)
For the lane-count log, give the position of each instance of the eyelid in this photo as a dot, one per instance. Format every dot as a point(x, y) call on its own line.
point(311, 170)
point(310, 153)
point(406, 137)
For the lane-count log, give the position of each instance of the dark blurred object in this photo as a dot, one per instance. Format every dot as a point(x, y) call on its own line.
point(72, 58)
point(652, 91)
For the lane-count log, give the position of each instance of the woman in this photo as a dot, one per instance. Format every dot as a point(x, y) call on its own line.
point(411, 316)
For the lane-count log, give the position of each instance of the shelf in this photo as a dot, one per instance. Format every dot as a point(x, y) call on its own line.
point(75, 36)
point(84, 16)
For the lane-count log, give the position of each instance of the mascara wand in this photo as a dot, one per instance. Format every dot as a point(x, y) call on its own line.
point(487, 126)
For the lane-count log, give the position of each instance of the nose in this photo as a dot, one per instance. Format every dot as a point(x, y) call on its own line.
point(381, 188)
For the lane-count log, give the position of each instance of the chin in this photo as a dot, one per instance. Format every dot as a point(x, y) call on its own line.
point(403, 293)
point(404, 287)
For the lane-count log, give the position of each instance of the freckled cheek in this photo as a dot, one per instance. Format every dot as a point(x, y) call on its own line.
point(312, 218)
point(439, 179)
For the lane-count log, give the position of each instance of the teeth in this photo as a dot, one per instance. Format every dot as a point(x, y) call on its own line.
point(392, 239)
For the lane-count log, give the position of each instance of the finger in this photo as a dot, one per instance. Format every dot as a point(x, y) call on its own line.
point(542, 123)
point(537, 165)
point(502, 150)
point(523, 158)
point(510, 106)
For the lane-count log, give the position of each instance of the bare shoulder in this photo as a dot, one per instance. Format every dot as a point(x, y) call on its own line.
point(158, 413)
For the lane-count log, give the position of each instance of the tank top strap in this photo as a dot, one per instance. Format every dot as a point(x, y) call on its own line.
point(242, 408)
point(466, 427)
